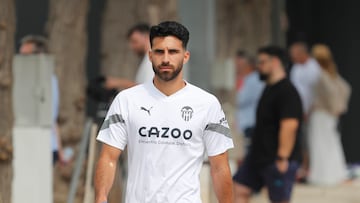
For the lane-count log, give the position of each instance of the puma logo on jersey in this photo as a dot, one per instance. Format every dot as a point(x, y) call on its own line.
point(223, 121)
point(147, 110)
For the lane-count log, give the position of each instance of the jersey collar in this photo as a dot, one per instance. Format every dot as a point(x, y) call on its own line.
point(159, 94)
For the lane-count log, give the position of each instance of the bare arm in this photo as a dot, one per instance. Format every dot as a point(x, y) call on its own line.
point(287, 138)
point(221, 177)
point(105, 172)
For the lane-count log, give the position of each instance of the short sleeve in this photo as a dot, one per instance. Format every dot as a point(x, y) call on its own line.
point(217, 136)
point(290, 104)
point(113, 131)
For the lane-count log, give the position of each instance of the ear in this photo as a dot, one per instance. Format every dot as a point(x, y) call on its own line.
point(150, 55)
point(186, 57)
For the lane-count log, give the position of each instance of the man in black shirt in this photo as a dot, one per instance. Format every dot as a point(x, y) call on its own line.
point(275, 153)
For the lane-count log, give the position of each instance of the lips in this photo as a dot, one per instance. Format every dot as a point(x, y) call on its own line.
point(165, 68)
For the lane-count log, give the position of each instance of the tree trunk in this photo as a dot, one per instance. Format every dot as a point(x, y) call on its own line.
point(68, 43)
point(66, 28)
point(7, 33)
point(116, 59)
point(243, 25)
point(240, 24)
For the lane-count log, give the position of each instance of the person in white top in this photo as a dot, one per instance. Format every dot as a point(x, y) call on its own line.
point(304, 74)
point(144, 73)
point(138, 37)
point(167, 125)
point(327, 159)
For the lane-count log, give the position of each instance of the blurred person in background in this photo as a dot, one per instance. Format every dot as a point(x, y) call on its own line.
point(138, 38)
point(332, 93)
point(103, 89)
point(304, 75)
point(247, 96)
point(34, 44)
point(274, 155)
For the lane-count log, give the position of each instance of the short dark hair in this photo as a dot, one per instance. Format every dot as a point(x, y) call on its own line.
point(170, 28)
point(140, 27)
point(277, 52)
point(244, 54)
point(40, 42)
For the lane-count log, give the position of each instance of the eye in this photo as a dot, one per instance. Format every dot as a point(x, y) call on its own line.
point(158, 51)
point(173, 51)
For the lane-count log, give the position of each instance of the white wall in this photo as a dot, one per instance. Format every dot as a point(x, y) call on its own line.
point(32, 182)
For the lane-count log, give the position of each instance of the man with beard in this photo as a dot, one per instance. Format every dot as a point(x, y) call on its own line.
point(274, 155)
point(167, 125)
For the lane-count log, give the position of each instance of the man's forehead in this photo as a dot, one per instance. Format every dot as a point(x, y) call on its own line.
point(136, 34)
point(167, 41)
point(28, 44)
point(263, 55)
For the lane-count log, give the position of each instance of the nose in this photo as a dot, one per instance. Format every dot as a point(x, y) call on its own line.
point(166, 57)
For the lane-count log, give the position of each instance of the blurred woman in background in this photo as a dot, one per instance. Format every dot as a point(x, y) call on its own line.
point(332, 92)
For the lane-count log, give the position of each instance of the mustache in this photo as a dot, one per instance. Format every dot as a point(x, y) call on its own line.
point(166, 64)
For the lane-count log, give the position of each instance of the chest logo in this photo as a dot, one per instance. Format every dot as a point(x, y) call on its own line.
point(187, 113)
point(147, 110)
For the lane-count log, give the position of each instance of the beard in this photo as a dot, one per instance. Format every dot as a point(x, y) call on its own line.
point(167, 75)
point(263, 76)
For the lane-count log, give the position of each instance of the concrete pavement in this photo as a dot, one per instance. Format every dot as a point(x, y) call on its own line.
point(345, 193)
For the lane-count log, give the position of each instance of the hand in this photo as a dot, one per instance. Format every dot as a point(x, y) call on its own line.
point(62, 160)
point(282, 165)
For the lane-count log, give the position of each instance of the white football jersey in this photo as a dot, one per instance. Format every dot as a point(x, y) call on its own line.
point(167, 138)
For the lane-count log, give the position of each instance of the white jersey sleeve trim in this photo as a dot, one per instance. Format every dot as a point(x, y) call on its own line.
point(229, 145)
point(113, 119)
point(114, 131)
point(216, 127)
point(107, 141)
point(217, 134)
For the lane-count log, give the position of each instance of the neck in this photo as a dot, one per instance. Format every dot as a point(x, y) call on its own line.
point(244, 72)
point(169, 87)
point(276, 77)
point(305, 59)
point(247, 71)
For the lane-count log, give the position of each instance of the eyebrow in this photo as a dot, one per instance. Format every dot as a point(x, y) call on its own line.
point(170, 50)
point(174, 50)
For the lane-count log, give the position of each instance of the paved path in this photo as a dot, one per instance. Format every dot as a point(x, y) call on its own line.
point(345, 193)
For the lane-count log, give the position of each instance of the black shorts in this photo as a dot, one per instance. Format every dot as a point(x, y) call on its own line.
point(279, 184)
